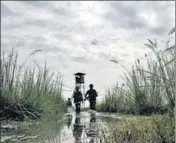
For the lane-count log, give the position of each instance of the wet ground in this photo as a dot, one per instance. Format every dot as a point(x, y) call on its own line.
point(76, 128)
point(82, 128)
point(79, 128)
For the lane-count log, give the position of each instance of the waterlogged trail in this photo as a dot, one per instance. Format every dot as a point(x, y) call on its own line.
point(81, 128)
point(71, 128)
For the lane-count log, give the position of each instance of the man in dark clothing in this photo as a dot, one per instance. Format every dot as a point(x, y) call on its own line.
point(77, 95)
point(92, 94)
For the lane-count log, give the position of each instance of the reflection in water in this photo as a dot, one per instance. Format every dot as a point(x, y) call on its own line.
point(92, 118)
point(69, 121)
point(92, 140)
point(77, 130)
point(81, 128)
point(92, 128)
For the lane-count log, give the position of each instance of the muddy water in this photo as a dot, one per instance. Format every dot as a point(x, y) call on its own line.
point(81, 128)
point(72, 128)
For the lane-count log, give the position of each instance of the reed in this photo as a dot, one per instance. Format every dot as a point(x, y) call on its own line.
point(28, 92)
point(138, 129)
point(146, 90)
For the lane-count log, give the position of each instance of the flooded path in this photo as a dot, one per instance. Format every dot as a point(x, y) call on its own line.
point(81, 128)
point(71, 128)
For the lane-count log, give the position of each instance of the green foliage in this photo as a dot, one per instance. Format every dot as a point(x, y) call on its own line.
point(139, 129)
point(145, 91)
point(29, 92)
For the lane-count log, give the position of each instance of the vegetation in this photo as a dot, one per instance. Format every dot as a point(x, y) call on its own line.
point(32, 93)
point(138, 129)
point(146, 91)
point(28, 93)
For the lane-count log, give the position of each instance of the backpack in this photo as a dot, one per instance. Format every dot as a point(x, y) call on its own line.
point(78, 97)
point(92, 94)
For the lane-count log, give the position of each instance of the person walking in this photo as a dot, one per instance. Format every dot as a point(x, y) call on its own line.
point(92, 95)
point(77, 95)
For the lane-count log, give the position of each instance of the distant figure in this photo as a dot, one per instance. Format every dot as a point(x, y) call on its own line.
point(77, 95)
point(69, 103)
point(92, 95)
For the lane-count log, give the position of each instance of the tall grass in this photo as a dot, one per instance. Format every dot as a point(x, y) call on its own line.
point(146, 90)
point(28, 92)
point(138, 129)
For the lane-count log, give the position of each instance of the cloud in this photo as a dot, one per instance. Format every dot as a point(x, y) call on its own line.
point(5, 11)
point(80, 59)
point(83, 36)
point(94, 42)
point(127, 14)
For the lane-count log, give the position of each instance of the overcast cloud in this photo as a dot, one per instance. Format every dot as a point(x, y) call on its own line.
point(84, 36)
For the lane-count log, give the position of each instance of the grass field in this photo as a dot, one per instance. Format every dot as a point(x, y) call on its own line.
point(138, 129)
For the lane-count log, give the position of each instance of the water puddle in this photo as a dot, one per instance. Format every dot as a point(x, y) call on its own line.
point(81, 128)
point(76, 128)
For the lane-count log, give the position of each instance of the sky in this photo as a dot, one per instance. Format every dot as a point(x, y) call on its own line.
point(83, 36)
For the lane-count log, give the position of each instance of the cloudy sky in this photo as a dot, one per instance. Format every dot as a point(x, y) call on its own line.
point(84, 36)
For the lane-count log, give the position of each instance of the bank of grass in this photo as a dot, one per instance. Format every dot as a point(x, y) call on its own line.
point(139, 129)
point(146, 90)
point(28, 93)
